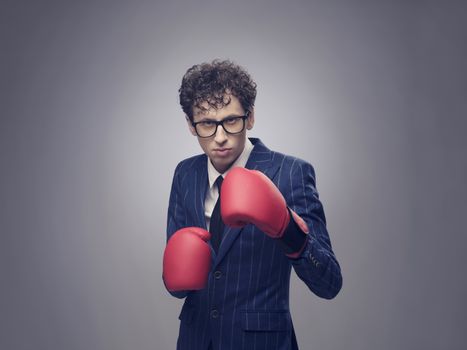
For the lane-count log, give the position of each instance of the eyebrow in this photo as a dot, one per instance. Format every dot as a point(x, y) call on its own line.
point(206, 119)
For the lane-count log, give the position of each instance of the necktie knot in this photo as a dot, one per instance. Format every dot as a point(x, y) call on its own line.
point(219, 182)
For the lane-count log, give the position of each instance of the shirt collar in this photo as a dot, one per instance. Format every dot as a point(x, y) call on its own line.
point(241, 161)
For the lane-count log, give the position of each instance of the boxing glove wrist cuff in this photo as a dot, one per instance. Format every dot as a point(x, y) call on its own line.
point(294, 238)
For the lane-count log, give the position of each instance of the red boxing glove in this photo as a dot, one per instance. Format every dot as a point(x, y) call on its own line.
point(249, 196)
point(187, 260)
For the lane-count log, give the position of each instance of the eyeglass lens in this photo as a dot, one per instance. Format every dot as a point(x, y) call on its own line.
point(231, 125)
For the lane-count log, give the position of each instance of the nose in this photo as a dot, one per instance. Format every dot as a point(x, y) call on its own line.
point(220, 135)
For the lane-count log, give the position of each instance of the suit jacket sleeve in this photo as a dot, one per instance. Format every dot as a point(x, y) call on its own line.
point(176, 216)
point(317, 266)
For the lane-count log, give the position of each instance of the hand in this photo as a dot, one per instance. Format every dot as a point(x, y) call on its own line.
point(187, 260)
point(249, 196)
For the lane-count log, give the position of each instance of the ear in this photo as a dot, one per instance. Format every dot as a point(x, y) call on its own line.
point(190, 126)
point(250, 122)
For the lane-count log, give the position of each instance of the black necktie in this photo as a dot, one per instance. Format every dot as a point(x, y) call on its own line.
point(216, 226)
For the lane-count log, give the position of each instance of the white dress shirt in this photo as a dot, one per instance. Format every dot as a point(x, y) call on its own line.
point(213, 194)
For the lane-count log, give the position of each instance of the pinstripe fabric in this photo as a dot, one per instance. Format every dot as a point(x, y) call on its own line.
point(246, 302)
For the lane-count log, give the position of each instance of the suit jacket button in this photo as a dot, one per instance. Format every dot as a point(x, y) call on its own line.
point(217, 274)
point(214, 313)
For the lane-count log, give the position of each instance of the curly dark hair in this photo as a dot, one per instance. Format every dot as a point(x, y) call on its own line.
point(212, 82)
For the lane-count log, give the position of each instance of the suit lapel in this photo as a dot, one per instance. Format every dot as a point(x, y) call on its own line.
point(261, 158)
point(200, 182)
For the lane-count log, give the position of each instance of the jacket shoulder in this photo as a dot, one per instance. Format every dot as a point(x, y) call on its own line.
point(190, 164)
point(290, 162)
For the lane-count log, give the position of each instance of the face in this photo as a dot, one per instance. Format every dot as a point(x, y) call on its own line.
point(223, 148)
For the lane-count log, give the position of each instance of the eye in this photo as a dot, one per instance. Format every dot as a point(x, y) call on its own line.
point(231, 121)
point(207, 124)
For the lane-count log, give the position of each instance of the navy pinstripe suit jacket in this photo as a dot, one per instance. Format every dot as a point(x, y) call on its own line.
point(246, 302)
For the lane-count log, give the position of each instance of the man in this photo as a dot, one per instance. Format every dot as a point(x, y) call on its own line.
point(240, 217)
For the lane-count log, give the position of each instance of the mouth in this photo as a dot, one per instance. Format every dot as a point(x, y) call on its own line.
point(222, 151)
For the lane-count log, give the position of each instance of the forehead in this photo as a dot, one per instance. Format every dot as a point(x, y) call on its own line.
point(234, 107)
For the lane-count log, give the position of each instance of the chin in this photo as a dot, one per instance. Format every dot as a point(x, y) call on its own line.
point(224, 165)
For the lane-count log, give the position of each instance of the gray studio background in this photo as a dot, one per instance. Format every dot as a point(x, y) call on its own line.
point(372, 93)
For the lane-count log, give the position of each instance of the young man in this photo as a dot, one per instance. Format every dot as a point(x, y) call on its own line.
point(240, 217)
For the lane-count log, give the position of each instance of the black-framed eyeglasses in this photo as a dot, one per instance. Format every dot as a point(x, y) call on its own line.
point(231, 125)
